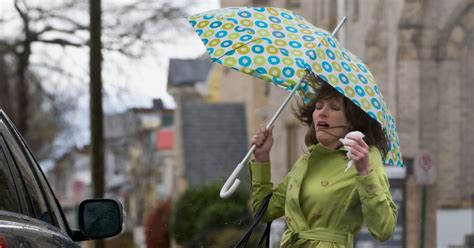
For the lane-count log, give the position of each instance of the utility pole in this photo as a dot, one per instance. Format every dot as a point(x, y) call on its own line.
point(96, 114)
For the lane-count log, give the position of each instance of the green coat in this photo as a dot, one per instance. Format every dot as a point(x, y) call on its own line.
point(323, 206)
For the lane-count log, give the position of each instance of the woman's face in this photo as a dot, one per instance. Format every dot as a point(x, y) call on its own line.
point(330, 121)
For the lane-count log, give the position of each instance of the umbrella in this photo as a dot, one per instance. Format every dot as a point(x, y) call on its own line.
point(281, 47)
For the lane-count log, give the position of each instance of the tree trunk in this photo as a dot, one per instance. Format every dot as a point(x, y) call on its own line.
point(22, 88)
point(96, 115)
point(22, 108)
point(5, 84)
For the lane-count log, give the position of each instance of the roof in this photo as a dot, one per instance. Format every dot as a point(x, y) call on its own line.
point(184, 72)
point(214, 140)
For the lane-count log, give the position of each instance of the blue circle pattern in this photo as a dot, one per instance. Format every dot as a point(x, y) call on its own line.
point(274, 19)
point(294, 44)
point(371, 114)
point(267, 40)
point(362, 68)
point(286, 16)
point(311, 54)
point(356, 103)
point(245, 61)
point(332, 43)
point(343, 78)
point(240, 29)
point(300, 63)
point(226, 43)
point(291, 29)
point(278, 34)
point(288, 72)
point(233, 20)
point(277, 81)
point(303, 26)
point(308, 38)
point(362, 78)
point(221, 34)
point(346, 66)
point(245, 37)
point(327, 67)
point(330, 54)
point(376, 104)
point(215, 24)
point(261, 24)
point(244, 14)
point(359, 90)
point(284, 51)
point(274, 60)
point(258, 49)
point(346, 57)
point(261, 70)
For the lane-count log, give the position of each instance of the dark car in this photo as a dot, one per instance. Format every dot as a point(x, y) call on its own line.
point(30, 214)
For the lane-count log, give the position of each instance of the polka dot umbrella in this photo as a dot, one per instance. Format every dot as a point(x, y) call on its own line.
point(281, 47)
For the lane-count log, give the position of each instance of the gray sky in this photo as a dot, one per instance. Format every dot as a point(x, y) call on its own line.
point(128, 83)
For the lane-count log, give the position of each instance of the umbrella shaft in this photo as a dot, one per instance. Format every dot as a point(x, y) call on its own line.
point(339, 26)
point(283, 105)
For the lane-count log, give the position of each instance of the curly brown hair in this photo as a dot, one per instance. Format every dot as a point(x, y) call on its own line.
point(359, 120)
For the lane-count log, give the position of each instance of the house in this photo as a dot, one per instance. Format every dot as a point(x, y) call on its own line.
point(210, 137)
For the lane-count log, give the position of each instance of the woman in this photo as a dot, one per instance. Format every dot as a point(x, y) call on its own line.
point(323, 205)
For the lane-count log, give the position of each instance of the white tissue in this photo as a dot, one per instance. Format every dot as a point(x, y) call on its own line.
point(345, 142)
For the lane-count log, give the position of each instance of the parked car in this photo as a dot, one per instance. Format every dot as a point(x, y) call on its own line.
point(30, 214)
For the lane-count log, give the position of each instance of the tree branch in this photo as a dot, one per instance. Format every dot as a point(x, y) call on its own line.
point(23, 15)
point(57, 69)
point(62, 42)
point(50, 28)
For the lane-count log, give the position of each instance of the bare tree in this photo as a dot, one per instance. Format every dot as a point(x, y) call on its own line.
point(45, 109)
point(129, 29)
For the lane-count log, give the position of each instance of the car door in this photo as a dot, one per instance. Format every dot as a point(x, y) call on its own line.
point(30, 215)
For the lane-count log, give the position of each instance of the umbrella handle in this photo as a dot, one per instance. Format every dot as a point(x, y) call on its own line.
point(229, 189)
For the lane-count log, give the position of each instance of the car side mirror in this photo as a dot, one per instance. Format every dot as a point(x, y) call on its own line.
point(100, 218)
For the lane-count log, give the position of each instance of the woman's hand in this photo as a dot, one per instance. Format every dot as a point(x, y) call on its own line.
point(263, 140)
point(359, 153)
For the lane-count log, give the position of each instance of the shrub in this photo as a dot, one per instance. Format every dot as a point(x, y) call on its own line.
point(200, 211)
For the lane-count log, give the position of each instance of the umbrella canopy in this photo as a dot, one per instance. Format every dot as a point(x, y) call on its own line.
point(278, 45)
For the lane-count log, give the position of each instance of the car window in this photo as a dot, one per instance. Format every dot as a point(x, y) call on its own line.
point(8, 196)
point(32, 185)
point(36, 202)
point(55, 211)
